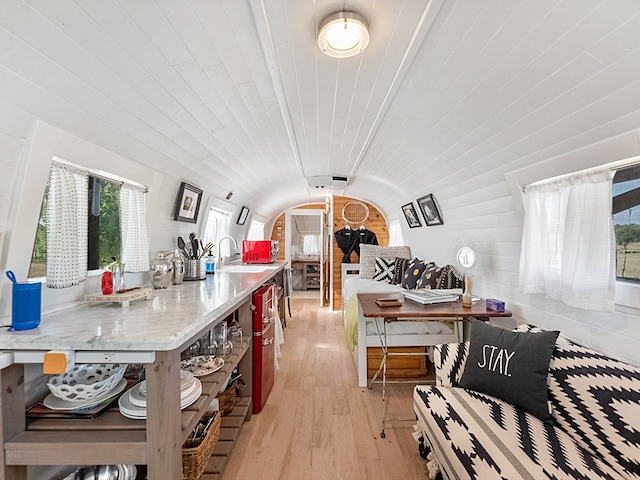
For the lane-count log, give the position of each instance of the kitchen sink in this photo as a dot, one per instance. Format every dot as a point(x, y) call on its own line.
point(246, 268)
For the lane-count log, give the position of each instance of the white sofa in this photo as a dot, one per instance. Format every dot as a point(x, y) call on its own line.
point(399, 334)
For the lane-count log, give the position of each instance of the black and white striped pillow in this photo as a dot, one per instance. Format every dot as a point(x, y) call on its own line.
point(384, 269)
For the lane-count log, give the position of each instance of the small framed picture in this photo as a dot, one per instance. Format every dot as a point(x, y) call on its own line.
point(411, 215)
point(430, 210)
point(188, 203)
point(243, 216)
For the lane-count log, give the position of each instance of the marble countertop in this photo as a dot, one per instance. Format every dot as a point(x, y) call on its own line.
point(165, 322)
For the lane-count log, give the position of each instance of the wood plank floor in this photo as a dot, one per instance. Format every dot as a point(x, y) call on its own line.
point(317, 423)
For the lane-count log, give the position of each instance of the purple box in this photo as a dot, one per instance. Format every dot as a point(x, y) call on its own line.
point(495, 305)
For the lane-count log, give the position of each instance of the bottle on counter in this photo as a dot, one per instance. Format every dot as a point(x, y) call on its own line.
point(210, 264)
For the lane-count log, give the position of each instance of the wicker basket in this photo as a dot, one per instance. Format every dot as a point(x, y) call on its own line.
point(227, 399)
point(196, 456)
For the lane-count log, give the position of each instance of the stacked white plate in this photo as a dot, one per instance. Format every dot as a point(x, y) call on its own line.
point(133, 403)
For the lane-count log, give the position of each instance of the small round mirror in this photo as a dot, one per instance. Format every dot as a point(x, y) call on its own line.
point(466, 257)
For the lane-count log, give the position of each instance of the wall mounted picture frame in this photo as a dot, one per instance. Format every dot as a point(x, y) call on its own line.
point(411, 215)
point(243, 216)
point(430, 210)
point(188, 203)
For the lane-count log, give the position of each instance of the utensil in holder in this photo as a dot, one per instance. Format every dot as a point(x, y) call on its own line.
point(195, 269)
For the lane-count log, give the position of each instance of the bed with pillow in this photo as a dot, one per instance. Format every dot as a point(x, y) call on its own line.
point(389, 270)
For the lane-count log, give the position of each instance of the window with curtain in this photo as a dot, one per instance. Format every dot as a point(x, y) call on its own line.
point(395, 234)
point(568, 245)
point(86, 222)
point(218, 222)
point(311, 244)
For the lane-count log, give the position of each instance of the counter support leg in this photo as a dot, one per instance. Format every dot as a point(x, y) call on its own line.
point(164, 437)
point(13, 420)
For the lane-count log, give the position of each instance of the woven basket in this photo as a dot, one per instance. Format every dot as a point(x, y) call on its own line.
point(227, 399)
point(196, 456)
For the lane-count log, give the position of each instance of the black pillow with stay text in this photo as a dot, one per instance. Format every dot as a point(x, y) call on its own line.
point(512, 366)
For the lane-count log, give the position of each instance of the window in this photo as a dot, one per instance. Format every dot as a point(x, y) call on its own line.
point(395, 234)
point(103, 232)
point(626, 219)
point(256, 230)
point(217, 227)
point(311, 244)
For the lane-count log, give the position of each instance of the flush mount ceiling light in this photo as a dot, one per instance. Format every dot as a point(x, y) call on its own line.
point(343, 34)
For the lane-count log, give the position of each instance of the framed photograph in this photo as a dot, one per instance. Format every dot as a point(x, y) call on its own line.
point(188, 203)
point(411, 215)
point(243, 216)
point(429, 210)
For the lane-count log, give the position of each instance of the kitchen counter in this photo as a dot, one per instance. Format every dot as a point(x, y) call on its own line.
point(153, 332)
point(165, 322)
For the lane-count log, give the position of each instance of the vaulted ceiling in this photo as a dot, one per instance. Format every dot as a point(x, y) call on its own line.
point(234, 95)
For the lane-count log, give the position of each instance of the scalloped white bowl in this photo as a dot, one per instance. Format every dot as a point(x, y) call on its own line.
point(86, 381)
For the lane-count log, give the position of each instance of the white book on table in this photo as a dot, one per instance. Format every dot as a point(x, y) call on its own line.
point(426, 296)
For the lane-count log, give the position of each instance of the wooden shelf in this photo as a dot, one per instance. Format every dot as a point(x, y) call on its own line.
point(112, 438)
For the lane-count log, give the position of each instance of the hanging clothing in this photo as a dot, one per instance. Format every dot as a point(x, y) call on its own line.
point(349, 240)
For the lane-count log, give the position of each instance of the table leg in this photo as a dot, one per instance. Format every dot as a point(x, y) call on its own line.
point(12, 416)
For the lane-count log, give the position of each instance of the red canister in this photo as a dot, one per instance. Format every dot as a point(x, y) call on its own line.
point(107, 283)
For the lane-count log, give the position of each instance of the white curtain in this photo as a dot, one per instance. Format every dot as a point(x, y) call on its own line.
point(218, 223)
point(568, 245)
point(133, 229)
point(311, 244)
point(67, 217)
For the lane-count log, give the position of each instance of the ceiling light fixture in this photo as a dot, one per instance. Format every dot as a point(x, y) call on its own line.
point(343, 34)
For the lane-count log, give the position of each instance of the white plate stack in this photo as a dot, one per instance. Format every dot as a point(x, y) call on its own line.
point(133, 403)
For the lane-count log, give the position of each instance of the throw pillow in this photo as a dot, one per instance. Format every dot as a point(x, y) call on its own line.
point(429, 276)
point(449, 278)
point(368, 254)
point(513, 366)
point(412, 275)
point(384, 269)
point(399, 269)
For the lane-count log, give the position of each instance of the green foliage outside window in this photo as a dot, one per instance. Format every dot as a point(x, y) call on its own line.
point(106, 226)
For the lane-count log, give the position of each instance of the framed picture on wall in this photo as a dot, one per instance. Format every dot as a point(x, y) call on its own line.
point(430, 210)
point(243, 216)
point(188, 203)
point(411, 215)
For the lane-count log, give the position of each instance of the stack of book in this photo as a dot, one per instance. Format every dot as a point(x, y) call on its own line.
point(426, 296)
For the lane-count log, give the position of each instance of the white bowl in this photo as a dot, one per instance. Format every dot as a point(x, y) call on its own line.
point(84, 382)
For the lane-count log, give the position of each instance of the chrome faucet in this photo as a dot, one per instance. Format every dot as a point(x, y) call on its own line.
point(218, 250)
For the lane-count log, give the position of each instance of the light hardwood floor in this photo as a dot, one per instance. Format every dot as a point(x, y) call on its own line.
point(317, 423)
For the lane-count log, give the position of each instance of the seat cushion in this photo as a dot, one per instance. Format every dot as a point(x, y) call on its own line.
point(597, 400)
point(476, 436)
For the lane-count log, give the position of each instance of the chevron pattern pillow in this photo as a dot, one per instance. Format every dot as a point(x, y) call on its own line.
point(384, 269)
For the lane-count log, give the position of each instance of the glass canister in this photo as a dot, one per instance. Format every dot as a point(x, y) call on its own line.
point(161, 271)
point(117, 270)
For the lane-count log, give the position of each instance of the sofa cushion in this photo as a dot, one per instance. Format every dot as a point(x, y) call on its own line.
point(384, 269)
point(368, 254)
point(448, 277)
point(399, 269)
point(596, 399)
point(412, 275)
point(430, 276)
point(513, 366)
point(476, 436)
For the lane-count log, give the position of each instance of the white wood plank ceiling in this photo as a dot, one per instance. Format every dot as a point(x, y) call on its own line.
point(234, 95)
